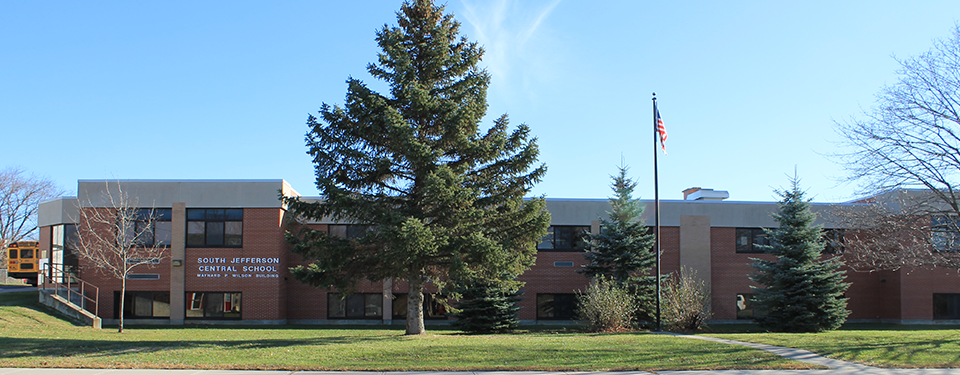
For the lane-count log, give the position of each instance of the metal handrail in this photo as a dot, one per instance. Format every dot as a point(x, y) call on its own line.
point(72, 280)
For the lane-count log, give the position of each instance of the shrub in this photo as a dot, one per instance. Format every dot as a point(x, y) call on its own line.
point(686, 301)
point(605, 306)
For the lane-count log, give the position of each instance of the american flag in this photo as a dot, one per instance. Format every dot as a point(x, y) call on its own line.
point(662, 130)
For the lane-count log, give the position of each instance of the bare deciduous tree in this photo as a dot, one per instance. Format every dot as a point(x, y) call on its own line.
point(909, 139)
point(20, 197)
point(117, 236)
point(898, 229)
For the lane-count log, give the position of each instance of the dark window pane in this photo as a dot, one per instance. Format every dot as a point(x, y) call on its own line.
point(215, 214)
point(195, 233)
point(546, 243)
point(163, 232)
point(213, 305)
point(26, 253)
point(233, 214)
point(946, 306)
point(13, 254)
point(214, 233)
point(355, 306)
point(373, 305)
point(336, 307)
point(233, 233)
point(144, 233)
point(196, 214)
point(559, 306)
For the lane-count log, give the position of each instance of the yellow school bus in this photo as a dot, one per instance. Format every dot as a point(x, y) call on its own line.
point(23, 261)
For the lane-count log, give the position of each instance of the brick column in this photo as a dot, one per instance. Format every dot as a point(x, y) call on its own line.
point(177, 256)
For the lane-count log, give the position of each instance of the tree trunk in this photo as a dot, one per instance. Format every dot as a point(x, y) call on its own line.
point(123, 290)
point(415, 306)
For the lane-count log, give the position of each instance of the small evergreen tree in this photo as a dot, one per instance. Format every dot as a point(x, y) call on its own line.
point(487, 307)
point(802, 292)
point(623, 250)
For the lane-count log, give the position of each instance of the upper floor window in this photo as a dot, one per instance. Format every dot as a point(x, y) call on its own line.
point(564, 238)
point(152, 226)
point(349, 231)
point(215, 227)
point(751, 240)
point(945, 234)
point(833, 241)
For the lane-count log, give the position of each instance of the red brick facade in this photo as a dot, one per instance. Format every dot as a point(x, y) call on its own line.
point(901, 296)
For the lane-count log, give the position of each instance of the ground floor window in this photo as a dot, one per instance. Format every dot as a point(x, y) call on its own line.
point(556, 306)
point(142, 305)
point(746, 306)
point(355, 306)
point(432, 309)
point(213, 305)
point(946, 305)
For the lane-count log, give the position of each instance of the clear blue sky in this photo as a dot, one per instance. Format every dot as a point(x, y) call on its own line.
point(221, 90)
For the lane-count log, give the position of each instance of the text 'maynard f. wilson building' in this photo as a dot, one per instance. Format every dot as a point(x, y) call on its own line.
point(228, 262)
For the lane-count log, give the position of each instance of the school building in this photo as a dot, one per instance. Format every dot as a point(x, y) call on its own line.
point(227, 261)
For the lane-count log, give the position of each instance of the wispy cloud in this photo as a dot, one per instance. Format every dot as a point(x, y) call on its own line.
point(518, 46)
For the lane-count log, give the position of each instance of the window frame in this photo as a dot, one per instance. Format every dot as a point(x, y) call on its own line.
point(334, 299)
point(945, 234)
point(575, 239)
point(194, 304)
point(210, 217)
point(153, 216)
point(950, 306)
point(568, 311)
point(751, 247)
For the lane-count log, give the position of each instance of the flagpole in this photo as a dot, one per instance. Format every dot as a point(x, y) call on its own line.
point(656, 206)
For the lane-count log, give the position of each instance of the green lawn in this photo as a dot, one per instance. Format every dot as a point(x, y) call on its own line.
point(902, 346)
point(30, 337)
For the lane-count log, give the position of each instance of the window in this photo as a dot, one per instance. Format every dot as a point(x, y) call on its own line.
point(432, 309)
point(833, 241)
point(153, 226)
point(748, 240)
point(217, 305)
point(564, 238)
point(215, 227)
point(746, 308)
point(350, 231)
point(946, 305)
point(355, 306)
point(143, 305)
point(945, 234)
point(557, 306)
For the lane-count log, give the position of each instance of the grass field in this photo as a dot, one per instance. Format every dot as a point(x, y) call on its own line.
point(33, 338)
point(904, 346)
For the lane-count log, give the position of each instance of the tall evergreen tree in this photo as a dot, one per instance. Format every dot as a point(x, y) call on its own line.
point(444, 199)
point(623, 250)
point(802, 292)
point(487, 307)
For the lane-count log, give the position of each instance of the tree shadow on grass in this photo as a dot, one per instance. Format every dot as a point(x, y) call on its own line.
point(45, 347)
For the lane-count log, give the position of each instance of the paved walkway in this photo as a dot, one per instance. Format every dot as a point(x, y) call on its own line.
point(795, 354)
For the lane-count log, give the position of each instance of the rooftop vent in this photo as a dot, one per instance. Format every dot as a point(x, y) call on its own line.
point(704, 194)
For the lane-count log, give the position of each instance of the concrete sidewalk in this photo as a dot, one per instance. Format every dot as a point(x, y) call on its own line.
point(801, 355)
point(847, 371)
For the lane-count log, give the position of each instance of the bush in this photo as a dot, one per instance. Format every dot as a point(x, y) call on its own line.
point(686, 301)
point(605, 306)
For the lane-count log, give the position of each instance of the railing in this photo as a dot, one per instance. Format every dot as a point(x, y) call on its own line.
point(59, 279)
